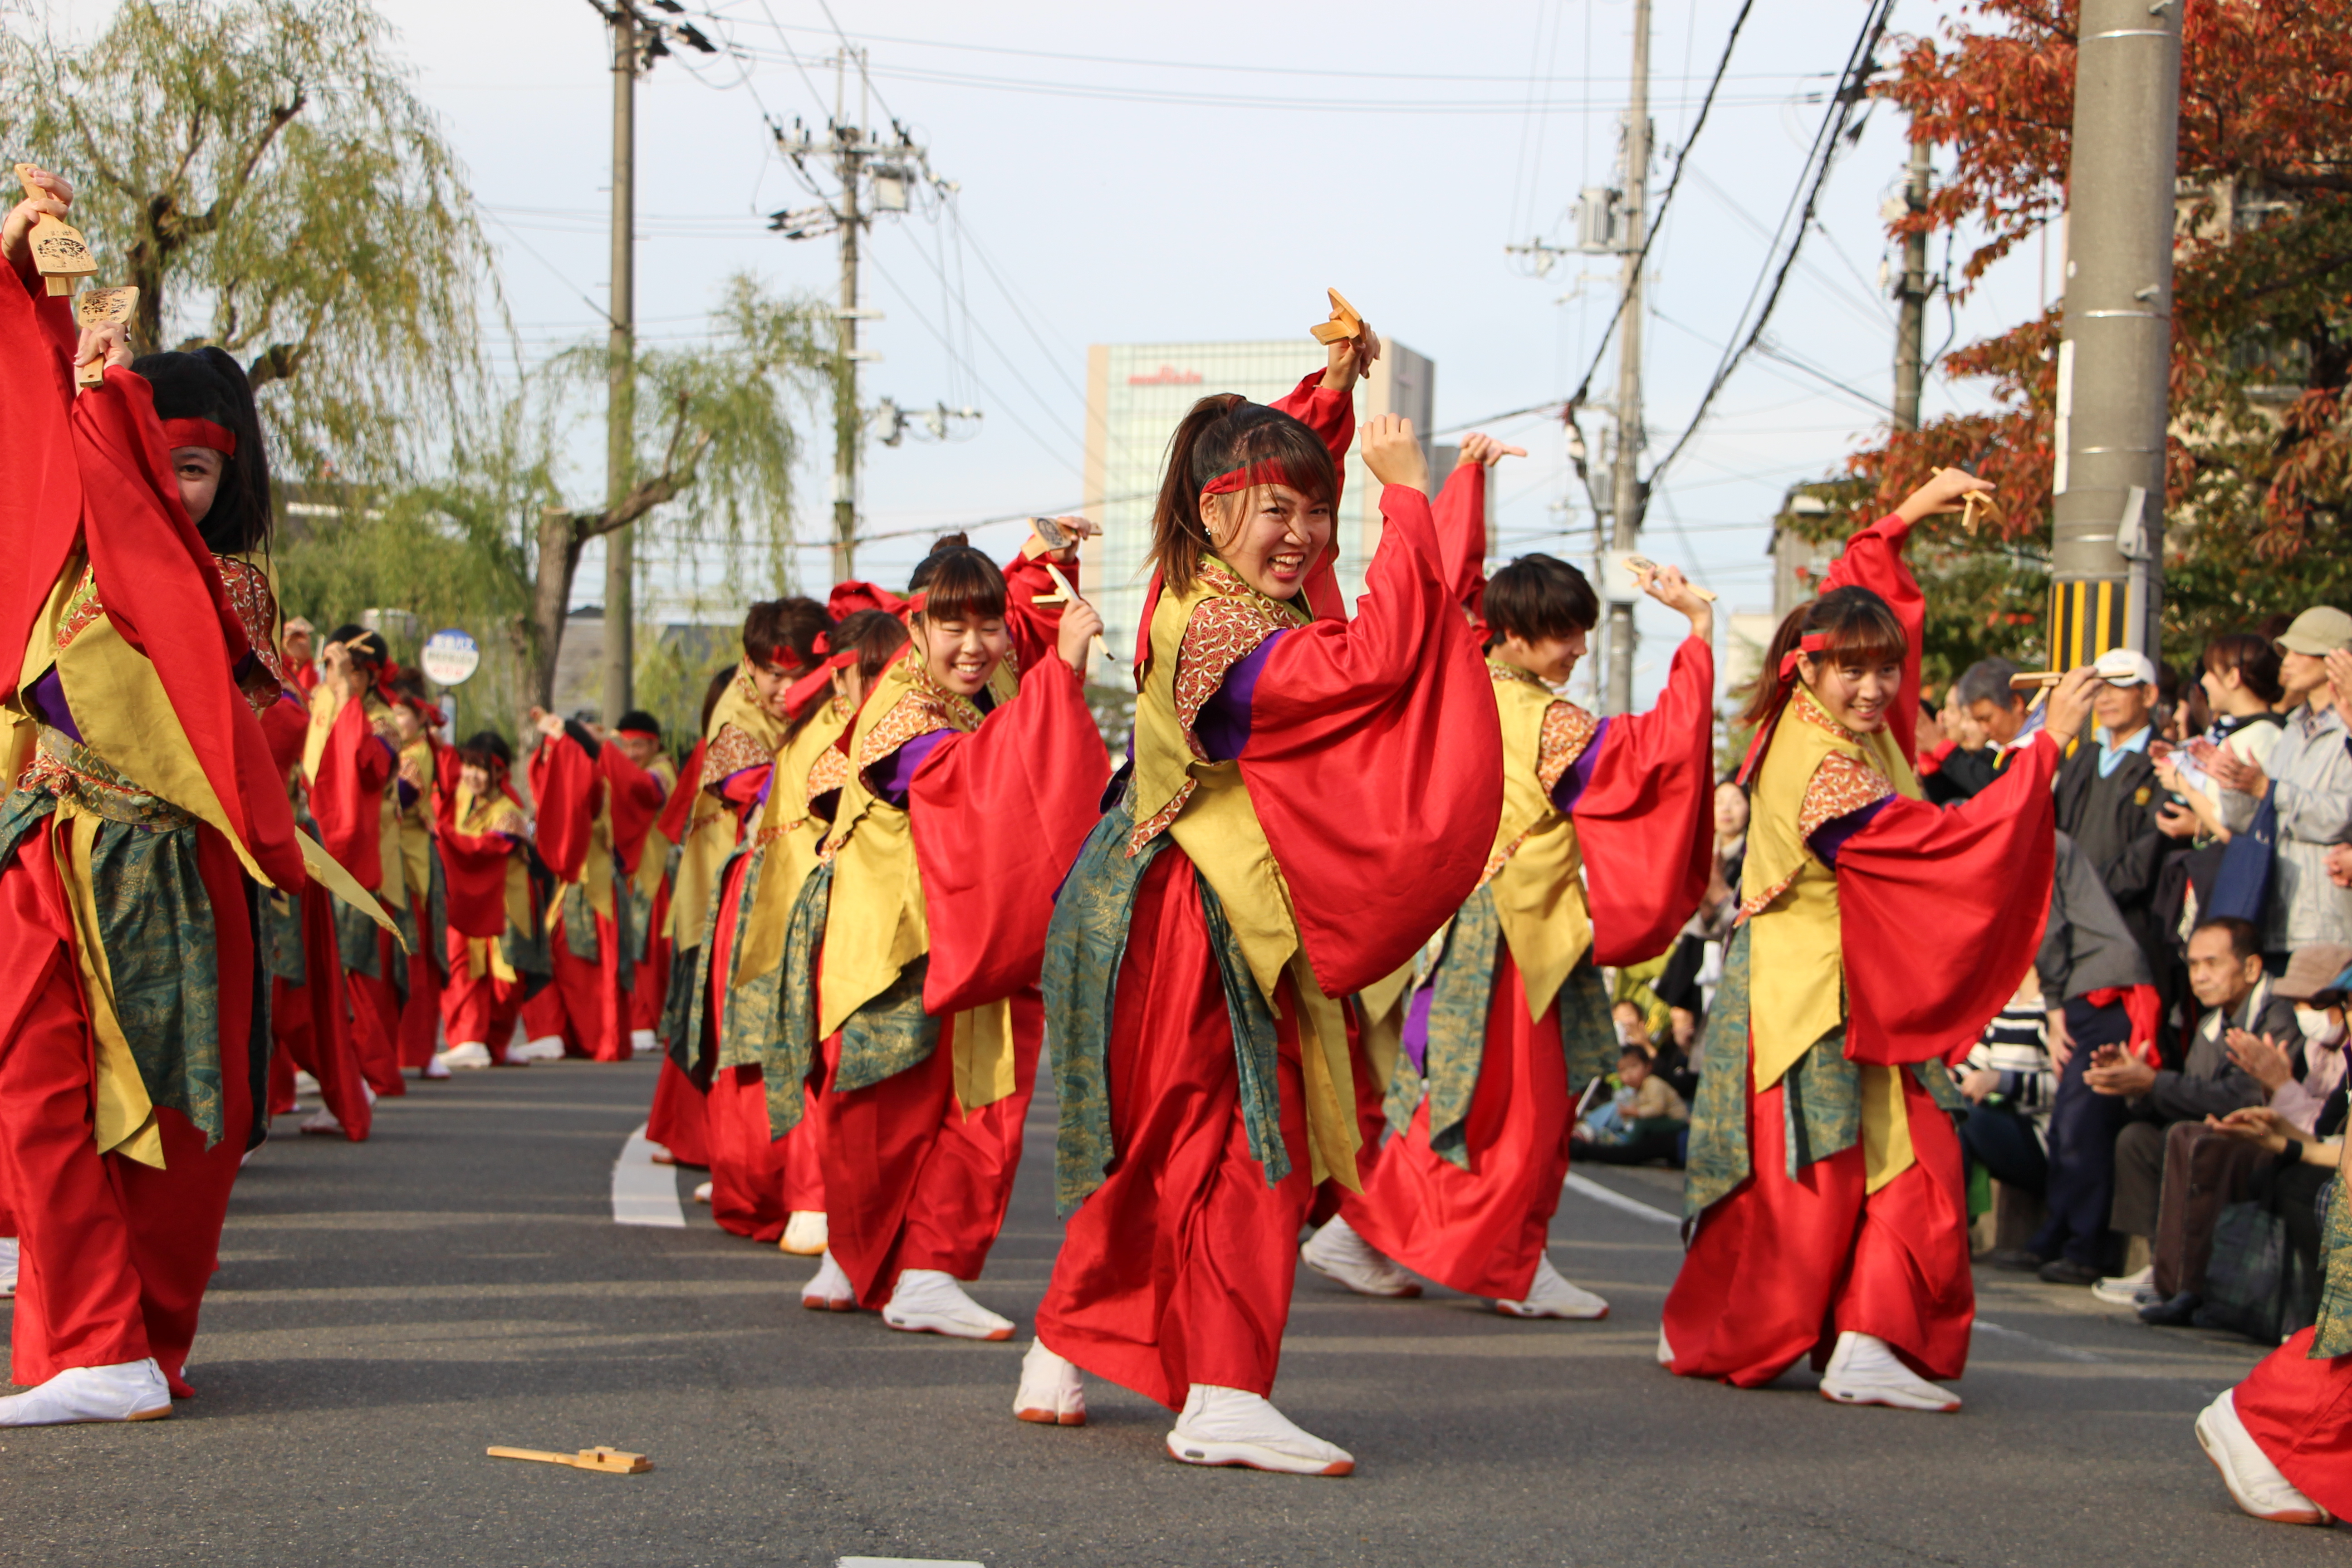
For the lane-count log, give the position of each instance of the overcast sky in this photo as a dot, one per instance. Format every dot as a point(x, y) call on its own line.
point(1138, 172)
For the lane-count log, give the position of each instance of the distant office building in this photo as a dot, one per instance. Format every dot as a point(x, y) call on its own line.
point(1136, 394)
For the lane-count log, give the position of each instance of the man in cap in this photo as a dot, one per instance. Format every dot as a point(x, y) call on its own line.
point(2308, 780)
point(2107, 796)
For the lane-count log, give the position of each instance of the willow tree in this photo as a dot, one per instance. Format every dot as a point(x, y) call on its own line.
point(265, 172)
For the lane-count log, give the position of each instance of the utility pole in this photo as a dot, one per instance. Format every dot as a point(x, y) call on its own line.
point(1911, 334)
point(849, 156)
point(1630, 496)
point(2115, 358)
point(637, 41)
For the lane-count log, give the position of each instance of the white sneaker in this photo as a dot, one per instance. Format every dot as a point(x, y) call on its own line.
point(2254, 1483)
point(932, 1301)
point(127, 1391)
point(304, 1083)
point(323, 1123)
point(1051, 1392)
point(1553, 1297)
point(2128, 1289)
point(830, 1290)
point(1665, 1350)
point(7, 1267)
point(644, 1042)
point(1227, 1426)
point(702, 1192)
point(546, 1049)
point(436, 1067)
point(469, 1056)
point(804, 1233)
point(1863, 1370)
point(1337, 1252)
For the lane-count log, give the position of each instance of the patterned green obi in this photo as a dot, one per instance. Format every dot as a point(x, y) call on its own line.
point(1086, 943)
point(2332, 1336)
point(1461, 985)
point(887, 1036)
point(579, 920)
point(748, 1024)
point(155, 926)
point(1820, 1097)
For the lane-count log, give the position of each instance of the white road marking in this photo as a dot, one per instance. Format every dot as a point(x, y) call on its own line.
point(905, 1563)
point(643, 1192)
point(1616, 1200)
point(2047, 1347)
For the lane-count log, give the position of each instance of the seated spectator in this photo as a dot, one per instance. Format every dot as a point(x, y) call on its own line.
point(2008, 1086)
point(2227, 977)
point(1644, 1121)
point(1677, 1059)
point(2092, 976)
point(1633, 1025)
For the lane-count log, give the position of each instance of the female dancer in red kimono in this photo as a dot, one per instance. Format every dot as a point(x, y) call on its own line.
point(418, 783)
point(645, 857)
point(959, 809)
point(1203, 1050)
point(133, 1046)
point(2283, 1439)
point(1824, 1174)
point(589, 797)
point(1512, 1020)
point(495, 942)
point(350, 762)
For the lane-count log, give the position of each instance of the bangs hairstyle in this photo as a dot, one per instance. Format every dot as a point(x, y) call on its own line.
point(210, 384)
point(958, 583)
point(784, 631)
point(1538, 596)
point(2255, 660)
point(1856, 626)
point(1223, 433)
point(486, 750)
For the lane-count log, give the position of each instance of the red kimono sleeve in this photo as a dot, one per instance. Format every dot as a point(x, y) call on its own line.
point(1874, 560)
point(1941, 910)
point(1035, 628)
point(475, 866)
point(1644, 819)
point(678, 810)
point(563, 783)
point(285, 725)
point(1460, 514)
point(636, 797)
point(998, 815)
point(1375, 760)
point(741, 791)
point(347, 797)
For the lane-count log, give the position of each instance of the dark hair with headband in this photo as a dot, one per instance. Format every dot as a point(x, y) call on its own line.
point(205, 400)
point(958, 583)
point(486, 750)
point(1234, 444)
point(1849, 624)
point(865, 637)
point(782, 633)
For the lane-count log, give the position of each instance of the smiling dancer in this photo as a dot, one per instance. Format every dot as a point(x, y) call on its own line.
point(1824, 1174)
point(1205, 1055)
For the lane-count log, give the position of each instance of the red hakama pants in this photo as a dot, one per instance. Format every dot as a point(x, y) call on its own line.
point(584, 1006)
point(650, 994)
point(1481, 1231)
point(679, 1119)
point(420, 1017)
point(115, 1255)
point(910, 1181)
point(1782, 1266)
point(2299, 1411)
point(375, 1018)
point(1178, 1268)
point(757, 1181)
point(342, 1081)
point(479, 1009)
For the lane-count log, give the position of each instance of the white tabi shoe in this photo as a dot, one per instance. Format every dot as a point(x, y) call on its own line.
point(2255, 1484)
point(644, 1042)
point(932, 1301)
point(1863, 1370)
point(1051, 1394)
point(7, 1267)
point(1553, 1297)
point(466, 1055)
point(702, 1192)
point(830, 1290)
point(546, 1049)
point(127, 1391)
point(1227, 1426)
point(1337, 1252)
point(304, 1083)
point(804, 1233)
point(437, 1067)
point(1665, 1350)
point(322, 1123)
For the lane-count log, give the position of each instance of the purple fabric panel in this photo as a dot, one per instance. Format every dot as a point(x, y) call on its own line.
point(1830, 835)
point(894, 780)
point(48, 696)
point(766, 784)
point(407, 794)
point(1224, 725)
point(1416, 1027)
point(1579, 777)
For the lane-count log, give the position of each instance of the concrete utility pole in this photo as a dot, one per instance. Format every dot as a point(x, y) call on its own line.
point(850, 152)
point(1631, 494)
point(621, 374)
point(2116, 357)
point(1911, 333)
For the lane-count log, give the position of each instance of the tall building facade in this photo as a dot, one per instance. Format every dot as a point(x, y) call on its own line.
point(1136, 394)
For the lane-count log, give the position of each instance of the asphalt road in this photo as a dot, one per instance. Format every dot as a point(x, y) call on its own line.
point(385, 1311)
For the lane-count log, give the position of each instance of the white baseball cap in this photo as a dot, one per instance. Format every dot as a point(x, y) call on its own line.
point(2122, 666)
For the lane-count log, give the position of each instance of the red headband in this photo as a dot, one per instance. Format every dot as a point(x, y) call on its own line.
point(1811, 642)
point(650, 734)
point(200, 433)
point(1250, 474)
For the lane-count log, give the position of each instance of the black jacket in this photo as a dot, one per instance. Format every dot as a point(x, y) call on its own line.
point(2114, 821)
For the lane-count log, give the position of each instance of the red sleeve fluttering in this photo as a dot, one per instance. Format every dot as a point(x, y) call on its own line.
point(476, 868)
point(998, 815)
point(564, 783)
point(347, 796)
point(636, 798)
point(678, 810)
point(1941, 911)
point(1375, 762)
point(1460, 514)
point(1646, 820)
